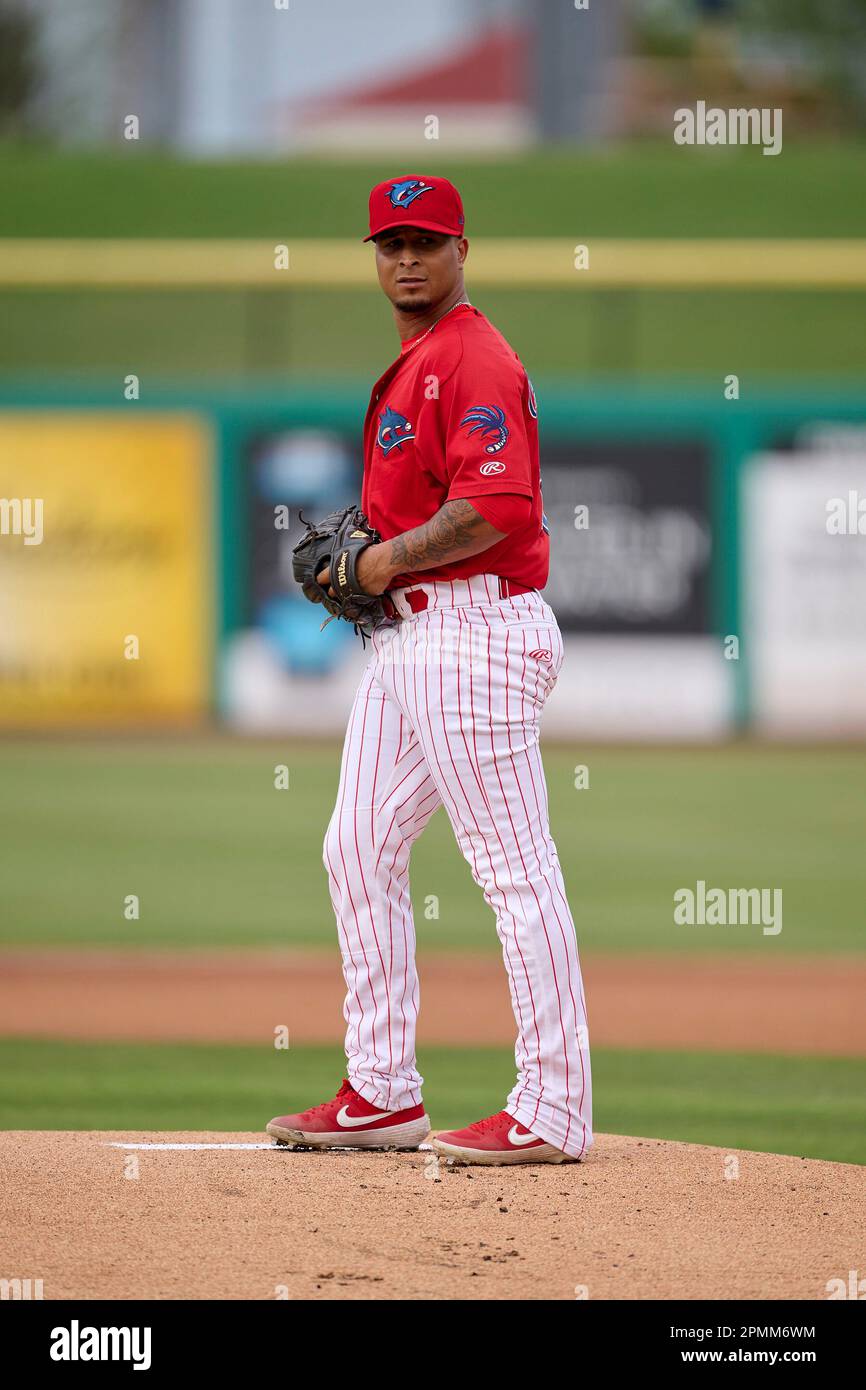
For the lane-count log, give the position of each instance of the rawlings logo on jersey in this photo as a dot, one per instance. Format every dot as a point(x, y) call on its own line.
point(401, 195)
point(490, 420)
point(394, 431)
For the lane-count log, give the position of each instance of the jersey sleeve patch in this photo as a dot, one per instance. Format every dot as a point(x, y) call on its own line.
point(490, 420)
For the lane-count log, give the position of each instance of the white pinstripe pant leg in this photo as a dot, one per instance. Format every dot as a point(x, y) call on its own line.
point(474, 697)
point(386, 797)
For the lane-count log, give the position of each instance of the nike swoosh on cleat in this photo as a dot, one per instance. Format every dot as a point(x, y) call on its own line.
point(347, 1121)
point(520, 1139)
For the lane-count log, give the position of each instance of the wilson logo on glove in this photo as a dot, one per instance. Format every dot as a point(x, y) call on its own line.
point(335, 544)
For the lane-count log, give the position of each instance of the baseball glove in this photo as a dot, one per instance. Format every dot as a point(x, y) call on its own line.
point(336, 543)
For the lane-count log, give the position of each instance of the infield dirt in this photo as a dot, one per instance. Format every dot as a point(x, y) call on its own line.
point(639, 1219)
point(790, 1005)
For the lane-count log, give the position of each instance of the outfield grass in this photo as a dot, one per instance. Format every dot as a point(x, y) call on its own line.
point(814, 1108)
point(644, 191)
point(219, 858)
point(647, 189)
point(696, 335)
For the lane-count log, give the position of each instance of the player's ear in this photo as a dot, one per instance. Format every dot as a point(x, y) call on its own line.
point(462, 248)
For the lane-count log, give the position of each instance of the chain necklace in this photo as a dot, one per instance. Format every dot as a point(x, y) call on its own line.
point(420, 340)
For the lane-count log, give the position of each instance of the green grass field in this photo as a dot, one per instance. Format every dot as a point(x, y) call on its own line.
point(694, 335)
point(649, 190)
point(814, 1108)
point(219, 858)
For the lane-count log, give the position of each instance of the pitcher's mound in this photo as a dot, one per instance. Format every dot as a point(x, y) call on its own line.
point(93, 1217)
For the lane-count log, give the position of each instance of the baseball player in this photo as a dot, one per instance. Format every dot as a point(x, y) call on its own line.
point(448, 709)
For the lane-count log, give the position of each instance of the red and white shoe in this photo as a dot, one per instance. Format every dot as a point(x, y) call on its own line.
point(498, 1139)
point(350, 1122)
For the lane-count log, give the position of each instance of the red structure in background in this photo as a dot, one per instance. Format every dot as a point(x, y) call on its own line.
point(485, 82)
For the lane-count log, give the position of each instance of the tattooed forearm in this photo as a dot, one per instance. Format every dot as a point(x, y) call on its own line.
point(456, 531)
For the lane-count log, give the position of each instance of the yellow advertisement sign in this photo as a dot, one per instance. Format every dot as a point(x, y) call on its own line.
point(105, 568)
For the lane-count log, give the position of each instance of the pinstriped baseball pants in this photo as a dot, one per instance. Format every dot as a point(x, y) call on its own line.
point(447, 713)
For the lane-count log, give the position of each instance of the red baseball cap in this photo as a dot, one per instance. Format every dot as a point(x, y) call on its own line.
point(414, 201)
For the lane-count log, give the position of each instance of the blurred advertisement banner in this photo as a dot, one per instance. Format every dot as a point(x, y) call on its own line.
point(804, 572)
point(632, 540)
point(105, 572)
point(630, 536)
point(282, 671)
point(317, 472)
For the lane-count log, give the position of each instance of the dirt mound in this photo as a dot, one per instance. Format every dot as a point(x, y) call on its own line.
point(639, 1219)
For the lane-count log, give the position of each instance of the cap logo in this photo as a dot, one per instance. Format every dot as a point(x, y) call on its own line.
point(402, 194)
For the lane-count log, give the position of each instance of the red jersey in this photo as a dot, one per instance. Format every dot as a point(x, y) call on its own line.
point(455, 417)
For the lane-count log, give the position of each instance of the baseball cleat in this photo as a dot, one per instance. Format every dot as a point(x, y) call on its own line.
point(498, 1139)
point(350, 1122)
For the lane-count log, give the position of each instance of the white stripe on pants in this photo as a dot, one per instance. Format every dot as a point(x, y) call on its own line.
point(447, 713)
